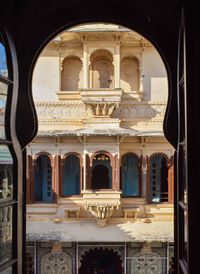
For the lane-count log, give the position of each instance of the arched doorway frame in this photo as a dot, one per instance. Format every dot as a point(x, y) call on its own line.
point(114, 166)
point(53, 179)
point(63, 158)
point(172, 137)
point(169, 165)
point(110, 248)
point(139, 165)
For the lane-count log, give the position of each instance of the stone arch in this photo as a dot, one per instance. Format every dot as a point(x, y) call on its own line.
point(56, 263)
point(102, 69)
point(107, 252)
point(71, 73)
point(129, 73)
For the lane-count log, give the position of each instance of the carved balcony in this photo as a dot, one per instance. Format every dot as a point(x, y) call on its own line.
point(101, 102)
point(101, 204)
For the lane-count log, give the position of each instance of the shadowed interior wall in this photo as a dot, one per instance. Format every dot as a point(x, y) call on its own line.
point(72, 74)
point(129, 74)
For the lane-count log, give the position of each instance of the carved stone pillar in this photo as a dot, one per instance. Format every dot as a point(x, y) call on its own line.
point(140, 179)
point(56, 181)
point(115, 168)
point(62, 162)
point(117, 65)
point(85, 65)
point(88, 172)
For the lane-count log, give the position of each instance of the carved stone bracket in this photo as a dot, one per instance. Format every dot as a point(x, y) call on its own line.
point(101, 109)
point(101, 102)
point(102, 210)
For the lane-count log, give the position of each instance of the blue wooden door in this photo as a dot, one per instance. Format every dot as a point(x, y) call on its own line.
point(71, 176)
point(155, 178)
point(43, 179)
point(130, 176)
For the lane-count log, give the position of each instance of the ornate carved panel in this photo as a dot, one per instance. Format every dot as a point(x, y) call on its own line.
point(56, 263)
point(146, 263)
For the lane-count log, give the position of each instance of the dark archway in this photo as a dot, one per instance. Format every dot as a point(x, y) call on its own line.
point(101, 172)
point(100, 177)
point(158, 188)
point(102, 261)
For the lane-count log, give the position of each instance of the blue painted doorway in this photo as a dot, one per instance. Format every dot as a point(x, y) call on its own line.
point(43, 179)
point(130, 175)
point(71, 176)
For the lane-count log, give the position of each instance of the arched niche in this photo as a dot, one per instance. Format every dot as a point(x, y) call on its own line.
point(71, 74)
point(43, 178)
point(129, 73)
point(101, 69)
point(71, 175)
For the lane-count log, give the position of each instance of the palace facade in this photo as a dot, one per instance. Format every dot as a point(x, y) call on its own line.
point(100, 171)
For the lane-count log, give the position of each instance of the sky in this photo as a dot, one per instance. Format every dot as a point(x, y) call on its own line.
point(3, 65)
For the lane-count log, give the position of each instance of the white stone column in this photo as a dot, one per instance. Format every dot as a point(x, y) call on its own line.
point(141, 71)
point(84, 164)
point(85, 65)
point(117, 65)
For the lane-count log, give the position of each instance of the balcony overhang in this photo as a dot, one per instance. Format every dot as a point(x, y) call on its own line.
point(101, 204)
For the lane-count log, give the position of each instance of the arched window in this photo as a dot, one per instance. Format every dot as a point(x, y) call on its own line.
point(71, 176)
point(72, 74)
point(43, 179)
point(158, 187)
point(130, 175)
point(101, 172)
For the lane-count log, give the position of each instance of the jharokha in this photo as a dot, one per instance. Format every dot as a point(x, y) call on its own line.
point(100, 171)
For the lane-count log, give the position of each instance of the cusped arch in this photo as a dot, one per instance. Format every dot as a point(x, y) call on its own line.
point(150, 262)
point(99, 54)
point(109, 250)
point(168, 160)
point(36, 156)
point(71, 73)
point(78, 155)
point(110, 156)
point(70, 56)
point(131, 153)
